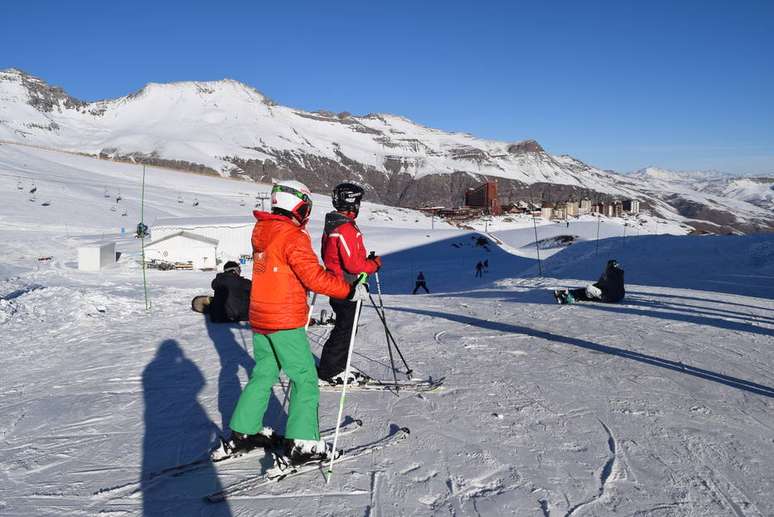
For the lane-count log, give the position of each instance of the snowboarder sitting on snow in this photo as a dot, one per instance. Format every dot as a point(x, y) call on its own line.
point(232, 295)
point(284, 268)
point(344, 255)
point(421, 283)
point(609, 288)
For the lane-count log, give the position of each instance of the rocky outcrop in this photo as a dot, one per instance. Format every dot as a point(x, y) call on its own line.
point(527, 146)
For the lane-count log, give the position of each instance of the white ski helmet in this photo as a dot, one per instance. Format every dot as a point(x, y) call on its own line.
point(293, 199)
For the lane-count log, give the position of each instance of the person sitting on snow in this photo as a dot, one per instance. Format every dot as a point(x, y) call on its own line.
point(232, 295)
point(608, 289)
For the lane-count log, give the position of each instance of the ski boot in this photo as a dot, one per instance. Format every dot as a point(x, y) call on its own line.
point(239, 443)
point(304, 451)
point(354, 377)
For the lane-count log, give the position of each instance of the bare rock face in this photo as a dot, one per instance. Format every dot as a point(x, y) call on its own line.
point(526, 146)
point(47, 98)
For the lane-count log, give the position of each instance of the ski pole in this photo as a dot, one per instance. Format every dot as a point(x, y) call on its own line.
point(311, 311)
point(386, 334)
point(306, 327)
point(358, 305)
point(389, 334)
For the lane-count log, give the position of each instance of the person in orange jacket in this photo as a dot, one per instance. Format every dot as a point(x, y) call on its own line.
point(284, 269)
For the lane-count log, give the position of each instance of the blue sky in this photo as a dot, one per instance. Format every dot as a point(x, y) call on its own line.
point(619, 84)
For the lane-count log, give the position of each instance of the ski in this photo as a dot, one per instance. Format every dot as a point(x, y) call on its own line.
point(349, 426)
point(284, 470)
point(417, 385)
point(414, 385)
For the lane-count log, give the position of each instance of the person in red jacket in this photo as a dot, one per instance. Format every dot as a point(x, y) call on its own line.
point(284, 269)
point(344, 255)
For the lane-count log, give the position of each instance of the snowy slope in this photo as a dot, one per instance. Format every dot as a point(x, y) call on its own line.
point(661, 405)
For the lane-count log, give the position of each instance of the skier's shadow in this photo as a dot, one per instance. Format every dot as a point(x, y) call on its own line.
point(177, 430)
point(234, 354)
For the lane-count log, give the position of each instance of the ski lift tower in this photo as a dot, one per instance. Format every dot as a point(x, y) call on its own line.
point(262, 196)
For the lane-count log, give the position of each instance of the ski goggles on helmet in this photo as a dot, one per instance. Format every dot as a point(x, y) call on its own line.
point(289, 190)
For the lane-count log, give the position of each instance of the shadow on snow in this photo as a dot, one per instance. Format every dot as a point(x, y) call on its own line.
point(177, 430)
point(449, 265)
point(701, 373)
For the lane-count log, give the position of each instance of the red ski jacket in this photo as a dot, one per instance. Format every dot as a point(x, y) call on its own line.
point(343, 251)
point(284, 268)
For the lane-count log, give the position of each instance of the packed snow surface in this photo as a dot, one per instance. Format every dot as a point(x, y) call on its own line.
point(661, 405)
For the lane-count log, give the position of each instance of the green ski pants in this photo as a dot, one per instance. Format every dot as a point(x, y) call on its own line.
point(288, 350)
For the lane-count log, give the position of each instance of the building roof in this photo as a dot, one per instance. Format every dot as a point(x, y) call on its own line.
point(204, 221)
point(189, 235)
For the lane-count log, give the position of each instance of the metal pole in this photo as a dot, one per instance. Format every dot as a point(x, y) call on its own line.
point(344, 391)
point(537, 246)
point(142, 240)
point(599, 221)
point(624, 238)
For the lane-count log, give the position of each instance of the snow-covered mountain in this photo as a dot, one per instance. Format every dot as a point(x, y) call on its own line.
point(228, 128)
point(710, 189)
point(757, 190)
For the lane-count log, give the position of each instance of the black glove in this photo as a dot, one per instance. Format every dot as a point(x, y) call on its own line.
point(373, 257)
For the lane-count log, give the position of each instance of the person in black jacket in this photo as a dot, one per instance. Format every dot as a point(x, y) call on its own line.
point(232, 295)
point(608, 289)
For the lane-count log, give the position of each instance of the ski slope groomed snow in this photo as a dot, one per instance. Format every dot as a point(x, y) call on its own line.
point(662, 405)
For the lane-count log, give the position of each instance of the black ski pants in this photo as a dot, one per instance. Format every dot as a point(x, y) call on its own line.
point(580, 295)
point(333, 359)
point(422, 285)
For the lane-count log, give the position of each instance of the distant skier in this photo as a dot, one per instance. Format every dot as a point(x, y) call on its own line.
point(608, 289)
point(486, 265)
point(344, 255)
point(284, 268)
point(232, 295)
point(421, 283)
point(479, 269)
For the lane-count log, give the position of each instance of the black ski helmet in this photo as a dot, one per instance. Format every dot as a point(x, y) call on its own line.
point(232, 266)
point(346, 197)
point(612, 263)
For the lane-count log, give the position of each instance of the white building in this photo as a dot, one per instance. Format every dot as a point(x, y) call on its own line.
point(184, 247)
point(96, 256)
point(204, 241)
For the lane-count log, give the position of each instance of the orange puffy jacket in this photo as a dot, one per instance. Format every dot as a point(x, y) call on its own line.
point(284, 268)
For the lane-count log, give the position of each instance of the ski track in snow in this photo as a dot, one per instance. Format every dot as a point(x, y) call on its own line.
point(661, 405)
